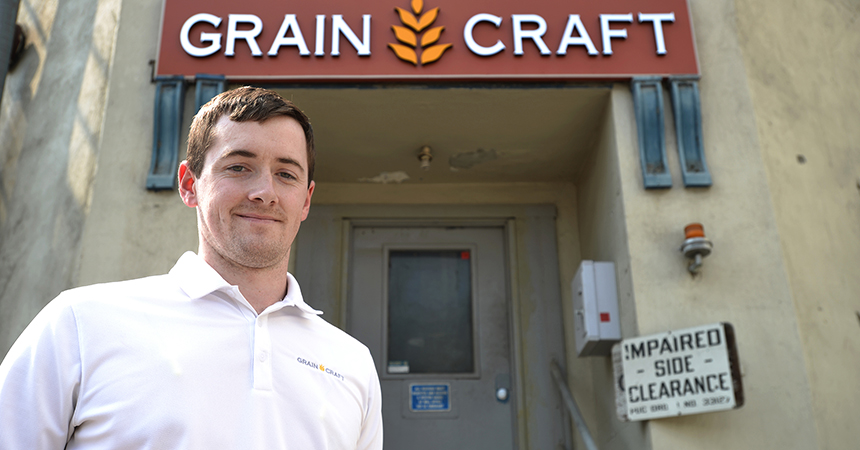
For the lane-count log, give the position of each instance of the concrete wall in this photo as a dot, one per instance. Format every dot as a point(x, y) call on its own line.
point(51, 126)
point(744, 281)
point(603, 237)
point(132, 232)
point(803, 65)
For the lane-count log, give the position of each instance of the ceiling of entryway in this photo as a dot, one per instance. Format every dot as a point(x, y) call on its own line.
point(477, 134)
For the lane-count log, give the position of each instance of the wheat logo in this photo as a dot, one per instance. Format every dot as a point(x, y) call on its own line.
point(418, 22)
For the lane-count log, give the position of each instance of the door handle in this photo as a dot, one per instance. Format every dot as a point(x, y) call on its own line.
point(502, 394)
point(503, 387)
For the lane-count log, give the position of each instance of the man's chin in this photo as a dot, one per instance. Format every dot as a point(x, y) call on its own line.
point(264, 257)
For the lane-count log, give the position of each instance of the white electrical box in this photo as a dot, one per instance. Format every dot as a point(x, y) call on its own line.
point(595, 308)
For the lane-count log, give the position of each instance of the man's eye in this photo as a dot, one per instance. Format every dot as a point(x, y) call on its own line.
point(286, 175)
point(236, 168)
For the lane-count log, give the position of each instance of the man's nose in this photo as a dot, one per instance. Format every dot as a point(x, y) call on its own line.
point(263, 189)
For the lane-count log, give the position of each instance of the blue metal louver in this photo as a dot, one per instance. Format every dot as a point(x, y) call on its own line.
point(169, 103)
point(648, 102)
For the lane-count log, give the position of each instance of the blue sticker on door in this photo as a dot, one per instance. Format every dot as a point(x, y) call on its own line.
point(430, 397)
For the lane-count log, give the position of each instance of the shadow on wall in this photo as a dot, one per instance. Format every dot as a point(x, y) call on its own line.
point(44, 127)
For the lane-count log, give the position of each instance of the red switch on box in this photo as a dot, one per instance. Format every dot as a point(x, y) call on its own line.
point(604, 317)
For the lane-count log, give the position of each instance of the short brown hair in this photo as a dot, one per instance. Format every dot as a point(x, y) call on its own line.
point(242, 105)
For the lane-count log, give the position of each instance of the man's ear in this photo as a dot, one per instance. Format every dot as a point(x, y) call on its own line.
point(187, 185)
point(307, 206)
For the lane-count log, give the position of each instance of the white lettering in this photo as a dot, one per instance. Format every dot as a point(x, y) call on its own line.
point(657, 20)
point(339, 27)
point(470, 40)
point(298, 40)
point(535, 35)
point(214, 38)
point(290, 34)
point(574, 23)
point(250, 36)
point(607, 33)
point(319, 47)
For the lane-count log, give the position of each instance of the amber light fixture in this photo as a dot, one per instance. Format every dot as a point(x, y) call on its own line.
point(696, 246)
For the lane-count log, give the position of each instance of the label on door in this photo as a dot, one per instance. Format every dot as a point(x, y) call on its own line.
point(430, 397)
point(398, 366)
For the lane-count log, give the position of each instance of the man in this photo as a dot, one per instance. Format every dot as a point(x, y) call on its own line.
point(222, 352)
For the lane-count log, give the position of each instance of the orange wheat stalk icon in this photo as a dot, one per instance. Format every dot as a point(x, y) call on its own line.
point(418, 22)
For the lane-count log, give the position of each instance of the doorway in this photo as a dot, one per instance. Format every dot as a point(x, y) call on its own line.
point(323, 265)
point(432, 305)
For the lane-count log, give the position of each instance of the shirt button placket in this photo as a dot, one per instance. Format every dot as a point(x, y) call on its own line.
point(262, 359)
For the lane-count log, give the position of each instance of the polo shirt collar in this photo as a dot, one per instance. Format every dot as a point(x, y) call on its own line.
point(197, 279)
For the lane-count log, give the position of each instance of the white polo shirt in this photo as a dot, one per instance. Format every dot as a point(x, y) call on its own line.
point(182, 361)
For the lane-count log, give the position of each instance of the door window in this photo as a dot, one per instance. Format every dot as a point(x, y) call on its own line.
point(430, 312)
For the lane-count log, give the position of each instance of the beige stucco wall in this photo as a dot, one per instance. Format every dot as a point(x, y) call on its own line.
point(744, 281)
point(132, 232)
point(803, 65)
point(603, 237)
point(51, 125)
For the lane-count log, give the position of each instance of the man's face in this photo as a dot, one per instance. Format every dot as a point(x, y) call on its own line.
point(252, 194)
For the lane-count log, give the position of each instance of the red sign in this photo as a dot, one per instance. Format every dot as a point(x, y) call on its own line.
point(333, 40)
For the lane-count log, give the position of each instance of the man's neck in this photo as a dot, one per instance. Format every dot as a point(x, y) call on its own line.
point(260, 287)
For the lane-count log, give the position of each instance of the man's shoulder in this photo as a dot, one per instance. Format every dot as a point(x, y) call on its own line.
point(79, 311)
point(153, 287)
point(336, 336)
point(334, 333)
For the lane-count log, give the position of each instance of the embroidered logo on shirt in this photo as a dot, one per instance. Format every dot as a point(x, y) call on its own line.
point(320, 367)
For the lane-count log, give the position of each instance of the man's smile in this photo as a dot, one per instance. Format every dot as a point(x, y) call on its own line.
point(258, 217)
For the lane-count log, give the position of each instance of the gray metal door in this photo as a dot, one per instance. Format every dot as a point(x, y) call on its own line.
point(432, 306)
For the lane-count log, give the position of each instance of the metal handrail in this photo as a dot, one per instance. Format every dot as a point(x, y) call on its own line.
point(572, 407)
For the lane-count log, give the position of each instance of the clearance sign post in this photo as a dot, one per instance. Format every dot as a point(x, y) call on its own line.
point(689, 371)
point(403, 40)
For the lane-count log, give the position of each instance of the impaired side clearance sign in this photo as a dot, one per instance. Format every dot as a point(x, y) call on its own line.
point(680, 372)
